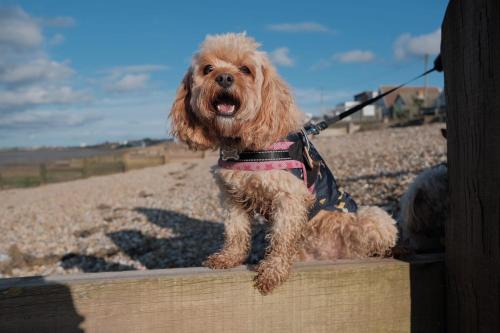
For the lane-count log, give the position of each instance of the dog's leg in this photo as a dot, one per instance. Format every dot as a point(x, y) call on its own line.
point(236, 242)
point(288, 217)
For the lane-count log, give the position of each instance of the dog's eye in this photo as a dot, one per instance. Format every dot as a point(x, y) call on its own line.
point(208, 69)
point(245, 70)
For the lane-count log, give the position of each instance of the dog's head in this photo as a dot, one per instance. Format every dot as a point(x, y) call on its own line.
point(231, 90)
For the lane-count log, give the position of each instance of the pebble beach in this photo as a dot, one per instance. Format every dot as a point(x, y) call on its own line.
point(170, 216)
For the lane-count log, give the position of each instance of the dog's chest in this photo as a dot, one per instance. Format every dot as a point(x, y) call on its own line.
point(259, 190)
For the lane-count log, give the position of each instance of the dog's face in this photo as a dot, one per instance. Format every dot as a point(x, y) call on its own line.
point(232, 91)
point(227, 82)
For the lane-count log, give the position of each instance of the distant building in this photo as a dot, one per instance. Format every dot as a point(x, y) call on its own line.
point(146, 142)
point(412, 104)
point(369, 113)
point(441, 102)
point(405, 103)
point(438, 108)
point(408, 101)
point(373, 112)
point(365, 95)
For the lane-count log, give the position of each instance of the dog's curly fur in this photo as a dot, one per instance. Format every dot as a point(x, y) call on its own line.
point(424, 211)
point(265, 112)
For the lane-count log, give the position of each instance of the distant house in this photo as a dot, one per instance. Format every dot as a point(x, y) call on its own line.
point(408, 101)
point(436, 109)
point(372, 112)
point(407, 105)
point(369, 113)
point(365, 95)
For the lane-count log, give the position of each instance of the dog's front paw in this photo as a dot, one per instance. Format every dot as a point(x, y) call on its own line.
point(270, 275)
point(221, 261)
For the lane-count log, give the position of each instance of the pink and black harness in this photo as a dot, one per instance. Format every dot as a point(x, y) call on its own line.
point(297, 155)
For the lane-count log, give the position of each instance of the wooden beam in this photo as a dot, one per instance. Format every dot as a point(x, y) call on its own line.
point(471, 60)
point(377, 295)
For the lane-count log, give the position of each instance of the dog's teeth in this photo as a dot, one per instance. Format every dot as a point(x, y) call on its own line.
point(225, 108)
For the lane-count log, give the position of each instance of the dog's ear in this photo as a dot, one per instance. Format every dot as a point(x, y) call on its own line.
point(184, 124)
point(278, 114)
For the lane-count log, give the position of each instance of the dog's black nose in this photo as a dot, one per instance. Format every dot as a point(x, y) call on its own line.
point(225, 80)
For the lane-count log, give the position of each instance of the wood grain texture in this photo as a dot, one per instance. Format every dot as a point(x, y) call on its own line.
point(346, 296)
point(471, 60)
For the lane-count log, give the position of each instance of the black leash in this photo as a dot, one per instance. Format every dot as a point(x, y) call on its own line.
point(317, 128)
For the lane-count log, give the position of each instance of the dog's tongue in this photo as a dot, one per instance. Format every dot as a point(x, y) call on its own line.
point(225, 108)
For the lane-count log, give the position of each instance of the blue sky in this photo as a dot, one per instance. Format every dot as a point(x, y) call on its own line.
point(74, 72)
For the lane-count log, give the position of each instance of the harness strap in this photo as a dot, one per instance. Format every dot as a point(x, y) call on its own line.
point(263, 156)
point(276, 157)
point(265, 166)
point(278, 151)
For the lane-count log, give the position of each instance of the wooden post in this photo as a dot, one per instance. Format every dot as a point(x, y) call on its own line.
point(471, 59)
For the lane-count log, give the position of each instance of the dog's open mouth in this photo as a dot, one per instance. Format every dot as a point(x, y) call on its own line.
point(226, 105)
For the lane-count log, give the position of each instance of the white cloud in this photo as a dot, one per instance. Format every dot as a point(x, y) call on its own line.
point(37, 70)
point(129, 78)
point(23, 98)
point(354, 56)
point(18, 30)
point(129, 82)
point(299, 27)
point(132, 69)
point(407, 45)
point(322, 64)
point(29, 78)
point(59, 21)
point(113, 117)
point(56, 39)
point(316, 101)
point(313, 95)
point(40, 119)
point(39, 94)
point(281, 57)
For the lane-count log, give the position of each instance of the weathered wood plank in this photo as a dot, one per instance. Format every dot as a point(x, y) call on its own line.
point(471, 60)
point(346, 296)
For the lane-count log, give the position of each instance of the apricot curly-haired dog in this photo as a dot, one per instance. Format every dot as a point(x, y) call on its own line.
point(232, 99)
